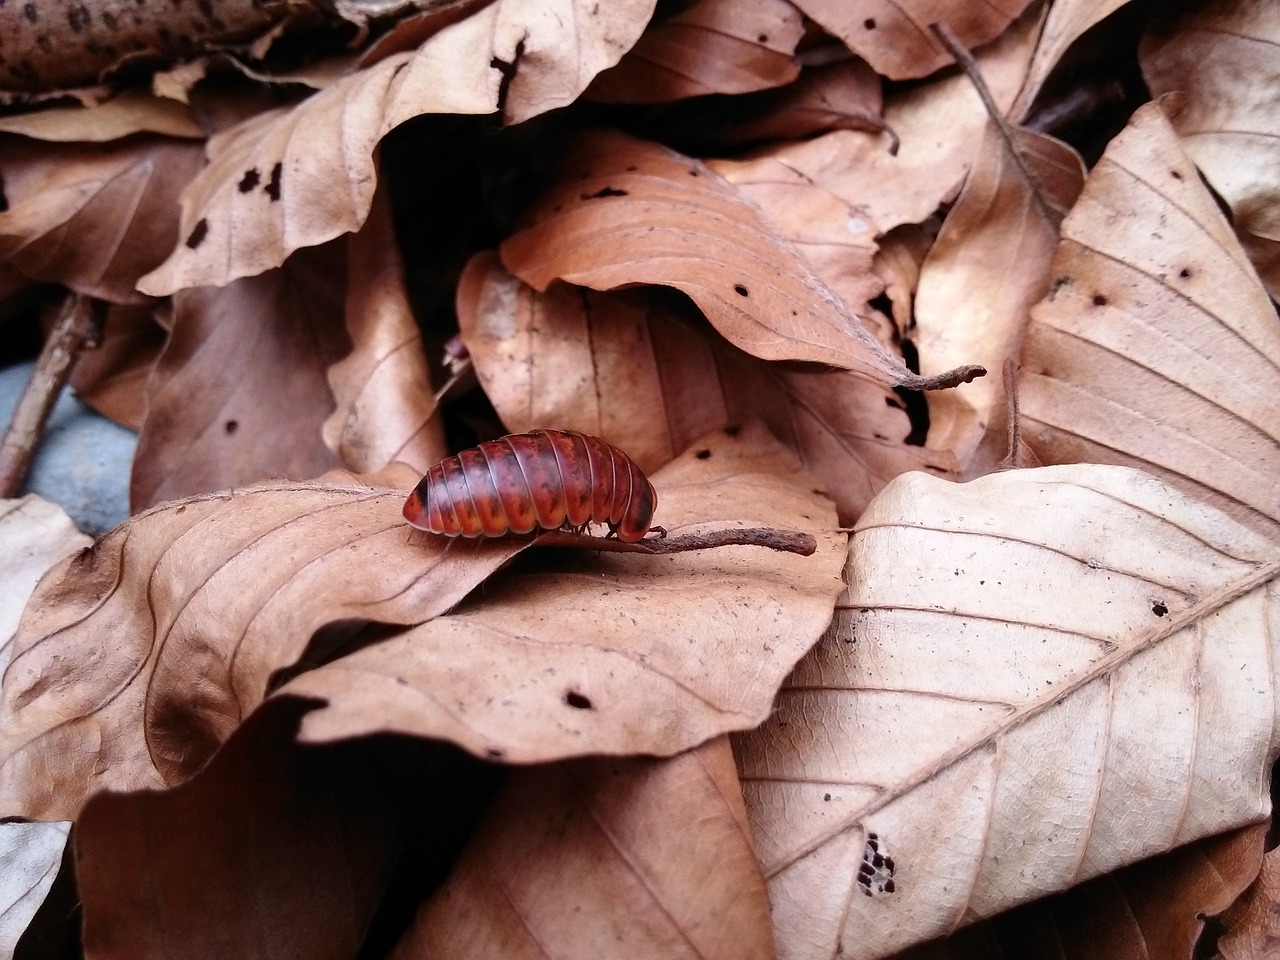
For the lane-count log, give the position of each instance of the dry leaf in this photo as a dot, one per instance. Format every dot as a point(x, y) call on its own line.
point(124, 115)
point(606, 858)
point(1065, 23)
point(894, 36)
point(1157, 346)
point(240, 392)
point(1222, 60)
point(710, 46)
point(627, 211)
point(112, 377)
point(34, 535)
point(138, 658)
point(1040, 676)
point(385, 408)
point(990, 263)
point(1155, 908)
point(92, 218)
point(617, 654)
point(1253, 922)
point(299, 177)
point(640, 374)
point(271, 852)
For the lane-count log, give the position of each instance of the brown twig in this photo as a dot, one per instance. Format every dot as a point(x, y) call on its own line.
point(786, 541)
point(970, 66)
point(78, 327)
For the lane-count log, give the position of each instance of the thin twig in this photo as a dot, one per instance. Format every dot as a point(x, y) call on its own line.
point(1003, 127)
point(78, 327)
point(786, 541)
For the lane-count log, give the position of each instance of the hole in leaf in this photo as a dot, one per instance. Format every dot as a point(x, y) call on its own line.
point(576, 700)
point(740, 290)
point(198, 233)
point(1159, 609)
point(1099, 300)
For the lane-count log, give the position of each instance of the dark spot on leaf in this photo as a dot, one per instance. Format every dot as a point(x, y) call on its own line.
point(826, 797)
point(703, 454)
point(763, 38)
point(869, 23)
point(576, 700)
point(494, 752)
point(1159, 609)
point(740, 290)
point(1175, 174)
point(693, 172)
point(733, 430)
point(1099, 300)
point(78, 18)
point(44, 43)
point(1184, 273)
point(29, 11)
point(109, 20)
point(893, 402)
point(231, 426)
point(888, 886)
point(250, 180)
point(197, 235)
point(604, 192)
point(272, 189)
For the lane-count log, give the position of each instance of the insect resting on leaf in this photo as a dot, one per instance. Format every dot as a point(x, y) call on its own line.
point(552, 479)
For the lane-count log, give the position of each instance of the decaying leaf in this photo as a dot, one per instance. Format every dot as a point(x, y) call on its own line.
point(1157, 346)
point(112, 377)
point(92, 217)
point(1251, 923)
point(710, 46)
point(624, 654)
point(220, 413)
point(652, 379)
point(627, 211)
point(139, 656)
point(990, 263)
point(1037, 677)
point(622, 858)
point(296, 178)
point(1221, 59)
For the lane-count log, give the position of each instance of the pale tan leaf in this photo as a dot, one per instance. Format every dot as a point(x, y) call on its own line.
point(1157, 346)
point(1223, 61)
point(239, 392)
point(628, 211)
point(385, 405)
point(1066, 22)
point(1037, 677)
point(617, 654)
point(651, 379)
point(939, 125)
point(34, 535)
point(299, 177)
point(710, 46)
point(988, 266)
point(93, 218)
point(606, 858)
point(894, 36)
point(122, 116)
point(138, 658)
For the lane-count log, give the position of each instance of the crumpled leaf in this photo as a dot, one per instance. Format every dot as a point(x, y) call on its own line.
point(299, 177)
point(989, 264)
point(1250, 923)
point(34, 535)
point(642, 375)
point(894, 36)
point(625, 858)
point(623, 654)
point(128, 113)
point(240, 392)
point(92, 217)
point(112, 377)
point(138, 658)
point(1038, 676)
point(626, 211)
point(1221, 59)
point(271, 852)
point(385, 410)
point(1157, 346)
point(710, 46)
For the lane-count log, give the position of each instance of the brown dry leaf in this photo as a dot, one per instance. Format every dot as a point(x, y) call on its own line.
point(1157, 346)
point(113, 376)
point(651, 380)
point(385, 407)
point(295, 178)
point(710, 46)
point(1152, 909)
point(124, 115)
point(138, 658)
point(1222, 59)
point(1038, 676)
point(899, 257)
point(627, 211)
point(616, 654)
point(593, 858)
point(240, 392)
point(272, 852)
point(939, 125)
point(52, 46)
point(1066, 22)
point(990, 263)
point(92, 217)
point(1253, 922)
point(34, 535)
